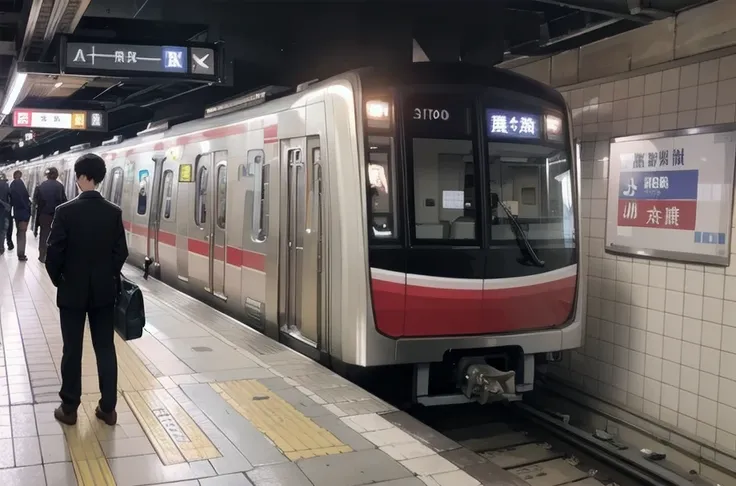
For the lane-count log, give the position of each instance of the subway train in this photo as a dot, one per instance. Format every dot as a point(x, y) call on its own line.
point(426, 217)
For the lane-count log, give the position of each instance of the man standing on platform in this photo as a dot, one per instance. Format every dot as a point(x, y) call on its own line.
point(21, 202)
point(47, 197)
point(5, 210)
point(86, 252)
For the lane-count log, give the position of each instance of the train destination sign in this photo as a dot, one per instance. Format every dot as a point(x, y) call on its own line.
point(103, 58)
point(512, 124)
point(60, 119)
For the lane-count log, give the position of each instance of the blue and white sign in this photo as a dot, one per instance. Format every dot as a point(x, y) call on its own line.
point(671, 197)
point(174, 59)
point(513, 124)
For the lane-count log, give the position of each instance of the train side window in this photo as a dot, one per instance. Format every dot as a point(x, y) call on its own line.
point(116, 186)
point(143, 183)
point(259, 169)
point(382, 187)
point(200, 198)
point(168, 193)
point(221, 194)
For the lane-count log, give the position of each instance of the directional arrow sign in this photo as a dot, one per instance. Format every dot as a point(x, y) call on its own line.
point(202, 60)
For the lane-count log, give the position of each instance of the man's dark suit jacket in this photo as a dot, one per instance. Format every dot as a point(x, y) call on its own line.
point(86, 252)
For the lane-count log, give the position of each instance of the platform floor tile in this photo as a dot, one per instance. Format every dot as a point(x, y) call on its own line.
point(203, 401)
point(294, 434)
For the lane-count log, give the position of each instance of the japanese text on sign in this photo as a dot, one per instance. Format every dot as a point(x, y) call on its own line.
point(512, 124)
point(642, 160)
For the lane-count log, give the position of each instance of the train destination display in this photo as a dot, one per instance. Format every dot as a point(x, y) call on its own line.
point(671, 196)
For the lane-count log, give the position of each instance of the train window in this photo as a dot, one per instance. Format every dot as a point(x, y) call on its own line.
point(382, 187)
point(259, 170)
point(116, 185)
point(221, 194)
point(444, 189)
point(200, 197)
point(168, 193)
point(143, 183)
point(532, 184)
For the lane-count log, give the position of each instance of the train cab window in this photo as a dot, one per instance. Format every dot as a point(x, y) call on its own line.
point(532, 184)
point(380, 168)
point(444, 189)
point(168, 193)
point(443, 169)
point(116, 186)
point(200, 197)
point(221, 195)
point(259, 169)
point(382, 188)
point(143, 190)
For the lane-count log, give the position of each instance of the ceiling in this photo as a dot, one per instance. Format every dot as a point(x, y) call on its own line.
point(275, 42)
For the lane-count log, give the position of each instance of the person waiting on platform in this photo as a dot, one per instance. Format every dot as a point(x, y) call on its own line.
point(5, 211)
point(21, 202)
point(47, 197)
point(86, 252)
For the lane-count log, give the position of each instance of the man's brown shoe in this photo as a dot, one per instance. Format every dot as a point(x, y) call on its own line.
point(109, 418)
point(65, 418)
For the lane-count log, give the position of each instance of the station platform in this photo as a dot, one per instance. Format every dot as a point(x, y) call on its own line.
point(204, 401)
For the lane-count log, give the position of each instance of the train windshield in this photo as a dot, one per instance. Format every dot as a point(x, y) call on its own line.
point(530, 181)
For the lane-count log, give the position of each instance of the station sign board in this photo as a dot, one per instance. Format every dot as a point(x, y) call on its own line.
point(100, 58)
point(60, 119)
point(670, 195)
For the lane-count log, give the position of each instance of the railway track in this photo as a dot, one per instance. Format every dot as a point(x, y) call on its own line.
point(537, 448)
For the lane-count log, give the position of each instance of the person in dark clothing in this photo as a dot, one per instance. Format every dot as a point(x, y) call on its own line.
point(47, 197)
point(86, 252)
point(21, 202)
point(5, 210)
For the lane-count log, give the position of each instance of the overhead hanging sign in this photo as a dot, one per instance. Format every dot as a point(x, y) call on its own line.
point(194, 63)
point(671, 197)
point(60, 119)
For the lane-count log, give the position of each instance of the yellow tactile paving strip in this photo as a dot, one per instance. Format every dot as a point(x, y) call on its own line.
point(88, 459)
point(170, 429)
point(295, 434)
point(174, 435)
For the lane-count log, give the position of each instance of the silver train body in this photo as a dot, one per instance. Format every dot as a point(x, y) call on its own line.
point(262, 212)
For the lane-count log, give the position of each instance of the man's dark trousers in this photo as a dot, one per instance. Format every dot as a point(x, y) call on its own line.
point(103, 335)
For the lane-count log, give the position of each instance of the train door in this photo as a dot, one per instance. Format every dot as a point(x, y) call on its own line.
point(154, 217)
point(212, 193)
point(300, 262)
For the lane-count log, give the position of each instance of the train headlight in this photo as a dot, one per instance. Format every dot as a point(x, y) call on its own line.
point(553, 126)
point(377, 110)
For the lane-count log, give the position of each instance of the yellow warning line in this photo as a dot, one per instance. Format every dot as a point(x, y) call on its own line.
point(90, 465)
point(172, 432)
point(295, 434)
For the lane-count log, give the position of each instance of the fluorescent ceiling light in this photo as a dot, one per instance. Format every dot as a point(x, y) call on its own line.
point(16, 86)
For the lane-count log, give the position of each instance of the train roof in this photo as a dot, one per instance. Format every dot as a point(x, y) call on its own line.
point(417, 74)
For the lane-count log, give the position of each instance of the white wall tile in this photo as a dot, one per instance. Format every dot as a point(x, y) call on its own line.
point(689, 75)
point(660, 336)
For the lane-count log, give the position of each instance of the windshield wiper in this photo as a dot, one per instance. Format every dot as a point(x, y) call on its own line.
point(530, 256)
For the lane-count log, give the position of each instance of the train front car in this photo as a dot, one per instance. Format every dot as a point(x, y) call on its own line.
point(473, 227)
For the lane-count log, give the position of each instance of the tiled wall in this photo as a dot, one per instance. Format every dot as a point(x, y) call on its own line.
point(661, 336)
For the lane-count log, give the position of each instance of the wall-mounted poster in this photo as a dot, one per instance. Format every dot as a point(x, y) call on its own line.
point(670, 195)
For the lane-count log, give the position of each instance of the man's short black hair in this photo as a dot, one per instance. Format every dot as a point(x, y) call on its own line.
point(52, 173)
point(92, 166)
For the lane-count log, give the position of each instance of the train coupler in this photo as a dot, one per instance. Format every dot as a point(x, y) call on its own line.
point(487, 384)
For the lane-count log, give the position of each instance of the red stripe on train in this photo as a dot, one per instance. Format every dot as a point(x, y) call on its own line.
point(417, 311)
point(235, 256)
